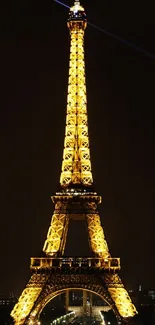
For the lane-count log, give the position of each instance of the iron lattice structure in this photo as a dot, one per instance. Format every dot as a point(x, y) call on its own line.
point(77, 200)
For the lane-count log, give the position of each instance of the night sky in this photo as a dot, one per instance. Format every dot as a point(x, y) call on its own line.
point(34, 51)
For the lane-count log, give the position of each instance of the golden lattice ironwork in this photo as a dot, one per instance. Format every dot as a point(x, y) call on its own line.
point(120, 296)
point(96, 234)
point(66, 208)
point(28, 297)
point(56, 237)
point(76, 165)
point(54, 273)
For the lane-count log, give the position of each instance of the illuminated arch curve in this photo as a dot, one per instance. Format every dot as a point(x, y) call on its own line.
point(54, 291)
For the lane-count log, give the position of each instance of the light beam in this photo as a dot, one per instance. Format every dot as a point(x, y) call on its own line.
point(61, 3)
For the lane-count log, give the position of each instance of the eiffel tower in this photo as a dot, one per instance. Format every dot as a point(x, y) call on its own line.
point(76, 199)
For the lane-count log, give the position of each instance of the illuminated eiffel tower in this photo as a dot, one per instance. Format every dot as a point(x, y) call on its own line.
point(54, 273)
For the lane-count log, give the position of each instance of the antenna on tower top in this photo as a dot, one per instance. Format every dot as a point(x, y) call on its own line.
point(77, 6)
point(76, 3)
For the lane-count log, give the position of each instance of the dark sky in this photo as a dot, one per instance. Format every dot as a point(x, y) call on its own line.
point(34, 51)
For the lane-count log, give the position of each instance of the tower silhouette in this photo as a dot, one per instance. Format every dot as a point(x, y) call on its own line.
point(76, 199)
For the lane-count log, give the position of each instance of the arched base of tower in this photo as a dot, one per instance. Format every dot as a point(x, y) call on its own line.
point(45, 285)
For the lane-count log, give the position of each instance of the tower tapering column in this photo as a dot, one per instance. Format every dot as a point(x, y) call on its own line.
point(76, 165)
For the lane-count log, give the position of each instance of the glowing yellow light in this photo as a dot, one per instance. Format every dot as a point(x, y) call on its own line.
point(77, 7)
point(123, 302)
point(76, 166)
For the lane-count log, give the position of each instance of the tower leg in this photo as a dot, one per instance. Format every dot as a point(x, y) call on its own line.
point(120, 296)
point(28, 298)
point(57, 233)
point(96, 234)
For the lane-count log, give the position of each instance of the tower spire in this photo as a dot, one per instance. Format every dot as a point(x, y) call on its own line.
point(76, 165)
